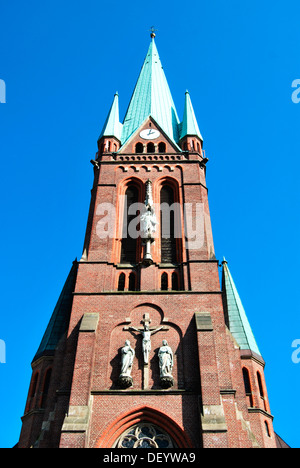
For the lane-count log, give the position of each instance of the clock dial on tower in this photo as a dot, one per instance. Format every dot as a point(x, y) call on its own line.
point(149, 134)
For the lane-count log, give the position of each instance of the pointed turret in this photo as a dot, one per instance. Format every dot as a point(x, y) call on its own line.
point(235, 315)
point(190, 136)
point(112, 126)
point(152, 96)
point(189, 126)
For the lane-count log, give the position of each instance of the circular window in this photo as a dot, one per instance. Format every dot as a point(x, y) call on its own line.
point(144, 435)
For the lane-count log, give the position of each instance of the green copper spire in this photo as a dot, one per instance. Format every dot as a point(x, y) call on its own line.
point(112, 126)
point(151, 96)
point(236, 318)
point(189, 124)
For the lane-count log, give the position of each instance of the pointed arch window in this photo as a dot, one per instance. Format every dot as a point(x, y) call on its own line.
point(121, 282)
point(132, 282)
point(167, 223)
point(33, 391)
point(247, 385)
point(164, 282)
point(129, 242)
point(267, 429)
point(175, 281)
point(261, 390)
point(46, 387)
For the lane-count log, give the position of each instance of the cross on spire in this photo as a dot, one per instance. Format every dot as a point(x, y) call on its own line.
point(152, 30)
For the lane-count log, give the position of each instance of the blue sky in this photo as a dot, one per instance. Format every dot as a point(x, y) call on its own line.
point(62, 63)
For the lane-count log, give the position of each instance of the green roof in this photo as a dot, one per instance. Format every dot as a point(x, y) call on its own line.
point(235, 314)
point(59, 320)
point(151, 96)
point(189, 125)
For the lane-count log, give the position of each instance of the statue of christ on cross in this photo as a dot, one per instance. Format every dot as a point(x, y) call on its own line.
point(146, 333)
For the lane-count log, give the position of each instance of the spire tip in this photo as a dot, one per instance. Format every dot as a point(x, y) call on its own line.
point(152, 31)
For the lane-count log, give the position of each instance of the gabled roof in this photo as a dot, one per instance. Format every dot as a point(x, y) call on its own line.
point(189, 125)
point(235, 315)
point(151, 96)
point(112, 126)
point(59, 320)
point(158, 127)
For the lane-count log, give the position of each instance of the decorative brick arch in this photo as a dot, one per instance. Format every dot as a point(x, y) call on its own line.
point(121, 190)
point(175, 185)
point(143, 414)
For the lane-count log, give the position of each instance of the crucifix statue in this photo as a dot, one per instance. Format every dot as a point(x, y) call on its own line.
point(146, 333)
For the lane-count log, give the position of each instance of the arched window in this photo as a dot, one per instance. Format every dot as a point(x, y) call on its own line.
point(132, 282)
point(167, 225)
point(139, 148)
point(46, 387)
point(162, 147)
point(150, 148)
point(175, 282)
point(247, 385)
point(164, 282)
point(129, 241)
point(121, 283)
point(261, 390)
point(33, 390)
point(267, 429)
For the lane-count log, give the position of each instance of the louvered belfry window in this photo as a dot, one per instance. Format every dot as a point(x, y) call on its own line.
point(129, 244)
point(167, 223)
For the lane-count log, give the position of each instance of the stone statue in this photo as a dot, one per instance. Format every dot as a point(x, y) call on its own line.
point(148, 222)
point(127, 356)
point(148, 218)
point(146, 334)
point(165, 355)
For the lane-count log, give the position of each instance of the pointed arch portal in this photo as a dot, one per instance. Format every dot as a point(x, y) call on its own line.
point(151, 422)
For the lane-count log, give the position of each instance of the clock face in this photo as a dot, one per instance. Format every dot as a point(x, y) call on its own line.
point(149, 134)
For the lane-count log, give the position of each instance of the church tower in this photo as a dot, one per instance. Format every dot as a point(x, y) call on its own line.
point(145, 348)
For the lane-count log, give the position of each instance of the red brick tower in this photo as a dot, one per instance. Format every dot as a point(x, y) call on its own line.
point(144, 348)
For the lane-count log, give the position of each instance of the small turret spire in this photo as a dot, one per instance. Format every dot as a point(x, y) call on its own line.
point(112, 126)
point(189, 126)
